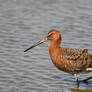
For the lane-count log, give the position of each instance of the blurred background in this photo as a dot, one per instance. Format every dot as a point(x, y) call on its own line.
point(24, 22)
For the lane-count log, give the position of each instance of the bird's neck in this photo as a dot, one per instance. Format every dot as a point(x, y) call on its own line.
point(55, 47)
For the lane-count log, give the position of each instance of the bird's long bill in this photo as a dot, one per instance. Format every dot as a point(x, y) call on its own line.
point(36, 44)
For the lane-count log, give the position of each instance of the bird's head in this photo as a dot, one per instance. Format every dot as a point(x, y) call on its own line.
point(52, 35)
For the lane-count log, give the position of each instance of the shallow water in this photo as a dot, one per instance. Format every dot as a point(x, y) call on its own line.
point(24, 22)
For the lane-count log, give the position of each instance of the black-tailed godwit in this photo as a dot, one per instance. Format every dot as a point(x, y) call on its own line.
point(73, 61)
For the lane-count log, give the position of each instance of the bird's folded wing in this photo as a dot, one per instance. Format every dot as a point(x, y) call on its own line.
point(79, 58)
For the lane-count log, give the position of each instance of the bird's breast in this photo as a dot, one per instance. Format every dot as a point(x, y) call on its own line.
point(61, 62)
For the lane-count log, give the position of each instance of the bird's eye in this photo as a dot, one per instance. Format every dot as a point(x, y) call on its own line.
point(51, 34)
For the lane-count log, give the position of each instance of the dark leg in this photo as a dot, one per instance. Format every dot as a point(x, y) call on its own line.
point(77, 83)
point(76, 77)
point(86, 80)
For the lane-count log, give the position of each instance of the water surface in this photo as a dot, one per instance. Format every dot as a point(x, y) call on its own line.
point(24, 22)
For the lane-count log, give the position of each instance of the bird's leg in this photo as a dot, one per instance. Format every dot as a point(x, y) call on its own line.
point(86, 80)
point(76, 77)
point(77, 83)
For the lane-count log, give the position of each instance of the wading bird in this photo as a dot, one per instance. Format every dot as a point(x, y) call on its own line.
point(73, 61)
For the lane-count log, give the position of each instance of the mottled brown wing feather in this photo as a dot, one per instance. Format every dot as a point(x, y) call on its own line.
point(79, 58)
point(73, 54)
